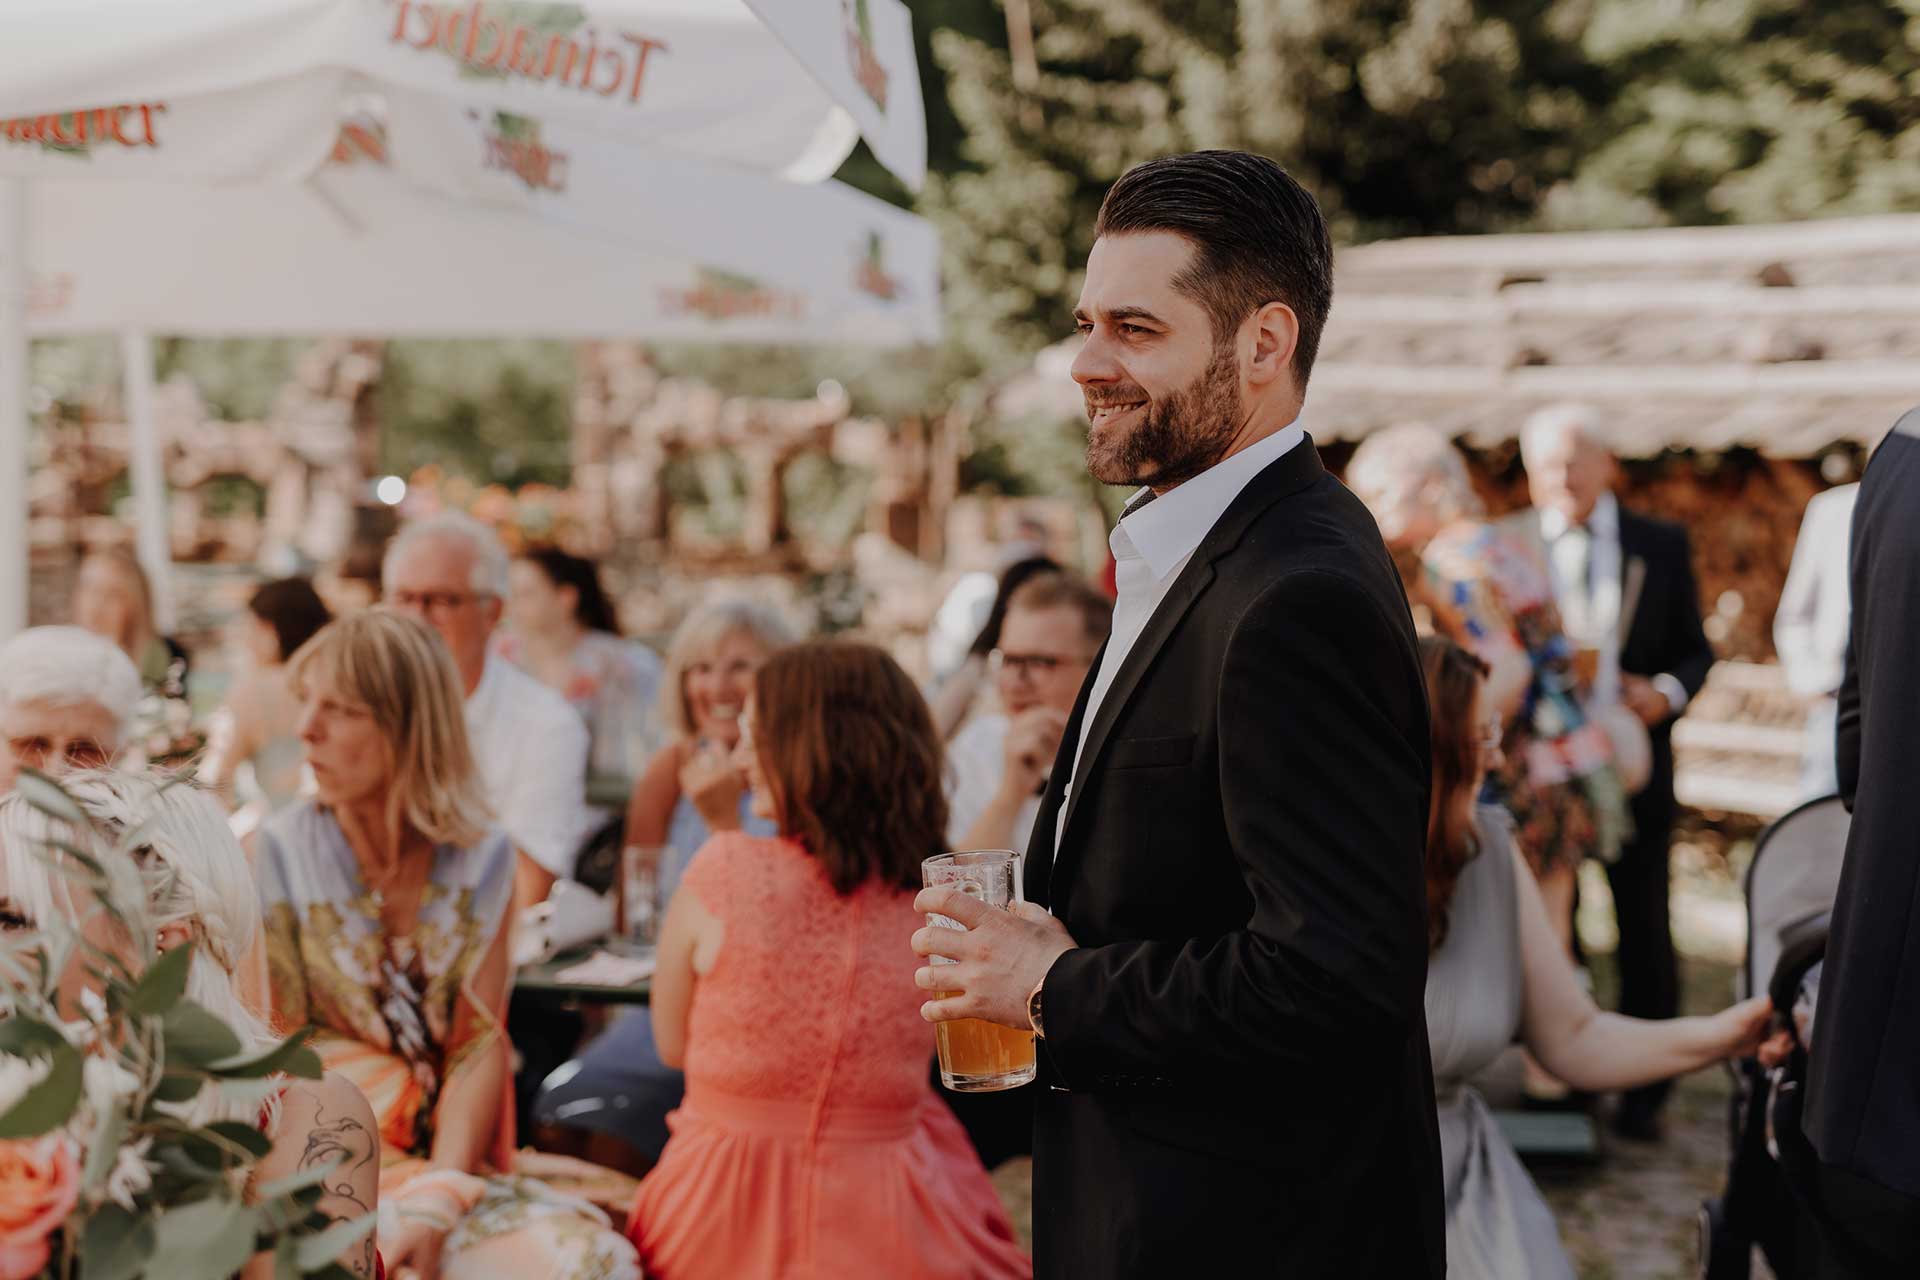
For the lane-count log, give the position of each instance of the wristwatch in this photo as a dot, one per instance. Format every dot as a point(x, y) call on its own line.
point(1033, 1009)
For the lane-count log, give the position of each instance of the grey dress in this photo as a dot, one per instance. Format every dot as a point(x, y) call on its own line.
point(1498, 1227)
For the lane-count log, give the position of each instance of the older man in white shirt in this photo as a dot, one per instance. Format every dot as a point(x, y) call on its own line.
point(450, 571)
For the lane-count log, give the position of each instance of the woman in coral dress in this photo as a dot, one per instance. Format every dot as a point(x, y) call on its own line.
point(810, 1142)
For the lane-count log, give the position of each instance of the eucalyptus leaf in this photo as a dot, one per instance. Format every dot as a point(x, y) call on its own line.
point(196, 1037)
point(290, 1055)
point(48, 796)
point(103, 1148)
point(176, 1087)
point(163, 984)
point(318, 1250)
point(245, 1136)
point(115, 1244)
point(211, 1237)
point(310, 1177)
point(174, 1157)
point(49, 1104)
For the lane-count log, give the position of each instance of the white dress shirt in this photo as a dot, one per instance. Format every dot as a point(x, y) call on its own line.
point(1152, 544)
point(532, 751)
point(976, 762)
point(1815, 615)
point(1588, 585)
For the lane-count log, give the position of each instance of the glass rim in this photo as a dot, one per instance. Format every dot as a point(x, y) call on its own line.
point(970, 857)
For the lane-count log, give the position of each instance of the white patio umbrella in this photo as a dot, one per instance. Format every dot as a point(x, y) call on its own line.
point(136, 212)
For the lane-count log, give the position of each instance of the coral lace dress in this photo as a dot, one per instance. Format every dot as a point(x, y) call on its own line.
point(810, 1142)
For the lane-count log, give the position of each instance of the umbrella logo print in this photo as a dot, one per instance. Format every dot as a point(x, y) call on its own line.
point(718, 294)
point(513, 145)
point(870, 271)
point(74, 133)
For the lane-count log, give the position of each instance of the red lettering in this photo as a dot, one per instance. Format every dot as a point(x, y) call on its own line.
point(118, 126)
point(593, 56)
point(427, 10)
point(554, 45)
point(476, 18)
point(450, 33)
point(147, 111)
point(518, 46)
point(645, 45)
point(619, 74)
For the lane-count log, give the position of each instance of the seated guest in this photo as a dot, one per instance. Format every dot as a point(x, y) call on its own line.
point(67, 698)
point(450, 572)
point(199, 892)
point(387, 928)
point(254, 730)
point(113, 599)
point(562, 630)
point(810, 1142)
point(959, 682)
point(998, 764)
point(618, 1090)
point(1497, 974)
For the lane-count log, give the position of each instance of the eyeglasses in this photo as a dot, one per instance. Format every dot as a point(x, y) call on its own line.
point(77, 753)
point(1031, 665)
point(435, 601)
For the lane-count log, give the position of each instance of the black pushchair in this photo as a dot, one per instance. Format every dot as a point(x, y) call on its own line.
point(1791, 886)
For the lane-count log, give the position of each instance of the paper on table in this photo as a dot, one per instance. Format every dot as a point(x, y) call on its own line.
point(604, 969)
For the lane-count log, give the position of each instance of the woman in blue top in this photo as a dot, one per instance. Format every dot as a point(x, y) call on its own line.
point(618, 1087)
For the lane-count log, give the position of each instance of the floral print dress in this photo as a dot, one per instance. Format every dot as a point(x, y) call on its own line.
point(1488, 592)
point(386, 1013)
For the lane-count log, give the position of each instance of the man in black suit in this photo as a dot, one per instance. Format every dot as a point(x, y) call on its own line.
point(1228, 993)
point(1626, 590)
point(1863, 1089)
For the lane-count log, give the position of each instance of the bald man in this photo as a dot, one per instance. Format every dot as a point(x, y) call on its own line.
point(1625, 586)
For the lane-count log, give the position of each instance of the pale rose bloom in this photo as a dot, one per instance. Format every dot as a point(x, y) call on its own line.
point(17, 1075)
point(39, 1183)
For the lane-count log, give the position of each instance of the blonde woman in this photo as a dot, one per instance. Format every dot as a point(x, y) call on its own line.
point(198, 891)
point(386, 902)
point(112, 598)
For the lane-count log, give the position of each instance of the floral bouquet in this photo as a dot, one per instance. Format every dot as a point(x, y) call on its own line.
point(108, 1170)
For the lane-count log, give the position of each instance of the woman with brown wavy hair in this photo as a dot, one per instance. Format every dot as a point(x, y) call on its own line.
point(1497, 974)
point(810, 1142)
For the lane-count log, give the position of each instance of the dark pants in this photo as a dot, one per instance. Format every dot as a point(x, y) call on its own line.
point(1641, 881)
point(1860, 1230)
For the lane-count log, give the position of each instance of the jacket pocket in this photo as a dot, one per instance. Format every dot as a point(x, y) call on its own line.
point(1151, 753)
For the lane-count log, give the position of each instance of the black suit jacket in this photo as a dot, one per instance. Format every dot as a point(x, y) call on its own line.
point(1664, 636)
point(1236, 1062)
point(1863, 1095)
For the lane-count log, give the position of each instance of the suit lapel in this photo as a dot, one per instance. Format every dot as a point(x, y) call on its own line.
point(1633, 572)
point(1040, 844)
point(1294, 471)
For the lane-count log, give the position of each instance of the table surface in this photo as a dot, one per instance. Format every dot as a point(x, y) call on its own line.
point(543, 980)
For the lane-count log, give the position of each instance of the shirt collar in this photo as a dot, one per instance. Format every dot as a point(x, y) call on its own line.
point(479, 696)
point(1603, 522)
point(1169, 529)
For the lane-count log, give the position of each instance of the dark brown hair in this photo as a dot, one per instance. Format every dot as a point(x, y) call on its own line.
point(293, 609)
point(1066, 591)
point(851, 754)
point(1454, 677)
point(592, 608)
point(1259, 237)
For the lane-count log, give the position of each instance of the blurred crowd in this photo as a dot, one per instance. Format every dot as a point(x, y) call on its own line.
point(408, 781)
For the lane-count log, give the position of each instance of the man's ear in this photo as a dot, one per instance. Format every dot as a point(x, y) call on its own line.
point(1275, 334)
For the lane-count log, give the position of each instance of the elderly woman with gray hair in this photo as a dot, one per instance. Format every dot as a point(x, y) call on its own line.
point(67, 701)
point(1492, 593)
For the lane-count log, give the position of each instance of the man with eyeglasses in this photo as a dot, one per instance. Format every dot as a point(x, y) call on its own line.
point(67, 698)
point(998, 764)
point(450, 571)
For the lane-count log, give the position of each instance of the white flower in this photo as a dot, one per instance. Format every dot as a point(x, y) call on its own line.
point(94, 1006)
point(106, 1084)
point(131, 1174)
point(17, 1075)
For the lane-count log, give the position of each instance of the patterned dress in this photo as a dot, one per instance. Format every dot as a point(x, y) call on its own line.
point(1489, 593)
point(385, 1012)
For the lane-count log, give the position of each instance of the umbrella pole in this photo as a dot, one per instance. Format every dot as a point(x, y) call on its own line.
point(15, 555)
point(152, 539)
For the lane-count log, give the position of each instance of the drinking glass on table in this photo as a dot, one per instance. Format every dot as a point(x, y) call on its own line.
point(639, 930)
point(978, 1056)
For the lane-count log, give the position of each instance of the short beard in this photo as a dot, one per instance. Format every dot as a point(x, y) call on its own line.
point(1179, 437)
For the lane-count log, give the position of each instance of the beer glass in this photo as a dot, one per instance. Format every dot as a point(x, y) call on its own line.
point(977, 1056)
point(639, 904)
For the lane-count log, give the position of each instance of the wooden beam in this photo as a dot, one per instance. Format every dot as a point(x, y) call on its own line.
point(1626, 302)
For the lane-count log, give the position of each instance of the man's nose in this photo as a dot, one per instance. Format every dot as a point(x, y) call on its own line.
point(1094, 363)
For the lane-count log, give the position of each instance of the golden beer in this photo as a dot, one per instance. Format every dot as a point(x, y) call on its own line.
point(978, 1056)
